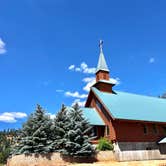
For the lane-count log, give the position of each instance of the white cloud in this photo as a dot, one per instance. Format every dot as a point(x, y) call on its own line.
point(151, 60)
point(84, 65)
point(59, 90)
point(90, 81)
point(2, 47)
point(86, 69)
point(115, 80)
point(71, 67)
point(52, 116)
point(79, 102)
point(77, 69)
point(89, 70)
point(12, 117)
point(75, 94)
point(83, 68)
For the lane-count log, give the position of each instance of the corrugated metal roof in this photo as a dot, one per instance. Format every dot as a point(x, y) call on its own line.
point(162, 141)
point(92, 116)
point(133, 107)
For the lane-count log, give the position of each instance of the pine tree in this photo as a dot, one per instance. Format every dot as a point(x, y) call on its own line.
point(77, 137)
point(35, 135)
point(60, 127)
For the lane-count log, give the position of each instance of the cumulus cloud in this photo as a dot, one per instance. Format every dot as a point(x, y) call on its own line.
point(75, 94)
point(83, 68)
point(89, 82)
point(11, 117)
point(79, 102)
point(77, 69)
point(151, 60)
point(71, 67)
point(2, 47)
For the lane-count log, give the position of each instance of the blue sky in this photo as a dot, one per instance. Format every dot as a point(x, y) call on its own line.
point(44, 42)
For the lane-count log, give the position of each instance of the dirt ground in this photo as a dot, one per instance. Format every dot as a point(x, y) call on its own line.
point(131, 163)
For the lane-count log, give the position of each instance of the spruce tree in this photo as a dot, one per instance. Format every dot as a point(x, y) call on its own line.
point(60, 126)
point(35, 135)
point(77, 137)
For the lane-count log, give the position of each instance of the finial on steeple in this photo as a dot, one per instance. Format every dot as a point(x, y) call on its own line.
point(101, 45)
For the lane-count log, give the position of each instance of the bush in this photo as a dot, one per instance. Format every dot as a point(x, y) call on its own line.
point(104, 144)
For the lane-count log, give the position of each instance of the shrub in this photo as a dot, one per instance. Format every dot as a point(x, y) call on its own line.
point(104, 144)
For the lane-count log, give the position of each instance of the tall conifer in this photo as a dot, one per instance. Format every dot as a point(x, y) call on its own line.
point(77, 137)
point(35, 135)
point(61, 126)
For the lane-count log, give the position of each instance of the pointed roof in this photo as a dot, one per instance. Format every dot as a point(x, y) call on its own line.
point(102, 65)
point(128, 106)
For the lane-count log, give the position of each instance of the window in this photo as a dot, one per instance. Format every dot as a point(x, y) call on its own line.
point(145, 129)
point(94, 130)
point(164, 128)
point(107, 130)
point(154, 129)
point(105, 77)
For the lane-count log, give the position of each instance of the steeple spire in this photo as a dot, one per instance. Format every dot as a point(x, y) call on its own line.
point(102, 65)
point(103, 82)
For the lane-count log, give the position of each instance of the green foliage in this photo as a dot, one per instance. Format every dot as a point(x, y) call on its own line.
point(60, 127)
point(104, 144)
point(6, 140)
point(68, 133)
point(36, 134)
point(77, 136)
point(4, 155)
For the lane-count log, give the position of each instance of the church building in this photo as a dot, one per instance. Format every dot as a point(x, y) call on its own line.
point(136, 124)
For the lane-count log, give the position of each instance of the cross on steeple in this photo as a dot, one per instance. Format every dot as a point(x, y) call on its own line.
point(101, 45)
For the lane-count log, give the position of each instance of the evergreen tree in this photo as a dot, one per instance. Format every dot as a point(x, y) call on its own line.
point(35, 135)
point(77, 137)
point(163, 96)
point(4, 147)
point(60, 127)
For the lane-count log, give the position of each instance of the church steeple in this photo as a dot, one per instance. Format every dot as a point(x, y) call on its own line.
point(102, 65)
point(102, 71)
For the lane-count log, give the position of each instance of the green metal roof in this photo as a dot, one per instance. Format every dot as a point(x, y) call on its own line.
point(162, 141)
point(92, 116)
point(133, 107)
